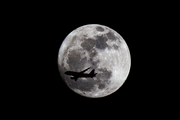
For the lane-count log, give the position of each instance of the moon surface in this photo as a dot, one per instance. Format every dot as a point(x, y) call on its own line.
point(102, 49)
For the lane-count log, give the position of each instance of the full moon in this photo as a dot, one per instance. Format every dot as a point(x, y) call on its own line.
point(101, 49)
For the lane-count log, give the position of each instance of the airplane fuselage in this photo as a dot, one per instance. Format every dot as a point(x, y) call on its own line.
point(76, 75)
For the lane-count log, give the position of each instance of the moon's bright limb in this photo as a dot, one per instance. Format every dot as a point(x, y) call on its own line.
point(101, 48)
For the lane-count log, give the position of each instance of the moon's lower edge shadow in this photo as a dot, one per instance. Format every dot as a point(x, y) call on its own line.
point(102, 49)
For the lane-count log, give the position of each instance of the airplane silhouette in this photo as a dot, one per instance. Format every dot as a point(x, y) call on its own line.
point(76, 75)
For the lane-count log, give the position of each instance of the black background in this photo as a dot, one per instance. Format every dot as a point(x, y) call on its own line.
point(51, 92)
point(42, 27)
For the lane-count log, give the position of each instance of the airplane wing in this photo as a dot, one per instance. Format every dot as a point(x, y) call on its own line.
point(74, 77)
point(85, 70)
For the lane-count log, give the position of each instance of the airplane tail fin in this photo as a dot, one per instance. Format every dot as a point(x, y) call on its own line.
point(92, 73)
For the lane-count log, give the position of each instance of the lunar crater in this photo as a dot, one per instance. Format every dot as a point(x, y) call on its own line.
point(99, 29)
point(111, 35)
